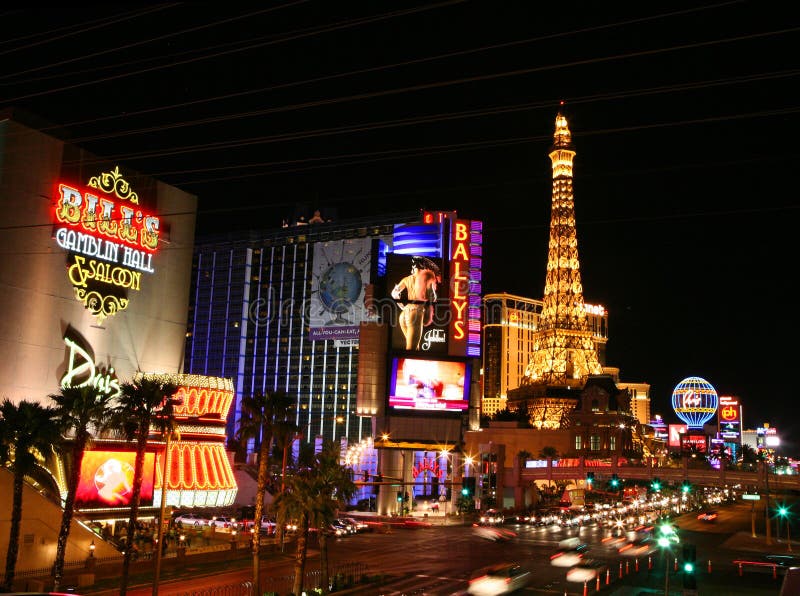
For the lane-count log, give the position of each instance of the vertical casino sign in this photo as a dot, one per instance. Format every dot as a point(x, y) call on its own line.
point(109, 240)
point(465, 294)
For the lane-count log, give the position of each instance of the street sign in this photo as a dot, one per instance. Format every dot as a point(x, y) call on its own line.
point(746, 497)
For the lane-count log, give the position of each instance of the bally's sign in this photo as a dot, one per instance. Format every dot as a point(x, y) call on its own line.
point(109, 240)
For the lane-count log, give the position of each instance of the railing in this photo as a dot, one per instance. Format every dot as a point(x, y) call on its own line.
point(344, 575)
point(742, 564)
point(240, 589)
point(47, 571)
point(760, 479)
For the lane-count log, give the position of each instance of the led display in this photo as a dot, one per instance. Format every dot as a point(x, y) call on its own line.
point(429, 385)
point(106, 480)
point(420, 299)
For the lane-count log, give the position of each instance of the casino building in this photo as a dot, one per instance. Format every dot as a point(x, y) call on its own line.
point(371, 326)
point(95, 274)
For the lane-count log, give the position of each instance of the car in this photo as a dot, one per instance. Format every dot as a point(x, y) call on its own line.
point(638, 547)
point(570, 553)
point(503, 578)
point(708, 516)
point(224, 522)
point(360, 525)
point(492, 517)
point(494, 534)
point(191, 519)
point(347, 525)
point(587, 570)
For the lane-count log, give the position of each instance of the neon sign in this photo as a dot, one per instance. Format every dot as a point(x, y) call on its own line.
point(465, 277)
point(82, 372)
point(110, 244)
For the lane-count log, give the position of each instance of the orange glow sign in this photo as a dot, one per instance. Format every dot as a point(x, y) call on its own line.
point(466, 240)
point(728, 409)
point(106, 480)
point(459, 283)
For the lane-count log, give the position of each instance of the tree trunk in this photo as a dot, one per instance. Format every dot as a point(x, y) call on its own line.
point(261, 489)
point(300, 556)
point(13, 536)
point(141, 445)
point(324, 574)
point(78, 449)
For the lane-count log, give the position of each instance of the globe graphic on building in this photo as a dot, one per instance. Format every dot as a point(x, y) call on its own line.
point(339, 289)
point(695, 401)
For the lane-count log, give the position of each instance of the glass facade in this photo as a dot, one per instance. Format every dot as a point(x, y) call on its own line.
point(249, 320)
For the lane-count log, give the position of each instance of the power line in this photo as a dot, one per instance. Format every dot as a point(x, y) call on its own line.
point(287, 37)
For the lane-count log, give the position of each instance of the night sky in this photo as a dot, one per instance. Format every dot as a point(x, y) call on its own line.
point(684, 117)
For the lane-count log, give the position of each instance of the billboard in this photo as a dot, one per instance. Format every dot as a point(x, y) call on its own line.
point(420, 320)
point(697, 443)
point(674, 432)
point(340, 275)
point(429, 385)
point(729, 418)
point(106, 480)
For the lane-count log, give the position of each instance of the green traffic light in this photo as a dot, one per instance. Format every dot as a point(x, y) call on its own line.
point(465, 491)
point(688, 567)
point(685, 488)
point(782, 511)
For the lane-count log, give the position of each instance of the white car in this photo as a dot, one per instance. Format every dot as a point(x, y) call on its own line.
point(568, 558)
point(192, 519)
point(224, 522)
point(492, 517)
point(499, 579)
point(586, 571)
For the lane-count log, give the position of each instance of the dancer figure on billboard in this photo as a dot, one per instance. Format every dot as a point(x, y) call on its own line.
point(417, 310)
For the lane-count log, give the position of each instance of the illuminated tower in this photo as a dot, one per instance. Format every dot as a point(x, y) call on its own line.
point(564, 351)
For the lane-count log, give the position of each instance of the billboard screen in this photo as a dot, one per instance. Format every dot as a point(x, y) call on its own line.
point(340, 275)
point(674, 432)
point(106, 480)
point(420, 321)
point(698, 443)
point(429, 385)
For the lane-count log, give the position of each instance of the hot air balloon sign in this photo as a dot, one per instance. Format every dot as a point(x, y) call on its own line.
point(695, 401)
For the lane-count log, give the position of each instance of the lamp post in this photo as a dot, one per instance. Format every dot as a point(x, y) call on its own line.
point(169, 403)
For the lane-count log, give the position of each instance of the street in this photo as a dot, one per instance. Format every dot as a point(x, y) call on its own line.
point(441, 559)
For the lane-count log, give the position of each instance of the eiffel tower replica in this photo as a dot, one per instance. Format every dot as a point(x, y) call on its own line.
point(564, 353)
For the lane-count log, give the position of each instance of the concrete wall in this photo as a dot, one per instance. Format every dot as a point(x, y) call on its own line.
point(37, 300)
point(39, 531)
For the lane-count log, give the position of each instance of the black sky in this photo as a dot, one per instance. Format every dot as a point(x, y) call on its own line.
point(684, 118)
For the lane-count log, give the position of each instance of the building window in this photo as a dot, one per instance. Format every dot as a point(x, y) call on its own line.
point(612, 444)
point(578, 442)
point(594, 443)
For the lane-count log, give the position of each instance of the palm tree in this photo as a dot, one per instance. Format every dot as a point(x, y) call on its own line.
point(334, 488)
point(77, 410)
point(548, 452)
point(27, 432)
point(260, 413)
point(292, 506)
point(312, 498)
point(142, 404)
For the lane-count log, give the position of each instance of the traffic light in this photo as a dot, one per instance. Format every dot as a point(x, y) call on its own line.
point(468, 489)
point(689, 567)
point(686, 487)
point(590, 478)
point(399, 497)
point(656, 484)
point(614, 481)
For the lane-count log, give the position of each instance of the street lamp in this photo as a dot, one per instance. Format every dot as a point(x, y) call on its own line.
point(91, 549)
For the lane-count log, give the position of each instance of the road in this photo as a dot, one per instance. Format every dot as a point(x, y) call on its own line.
point(440, 560)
